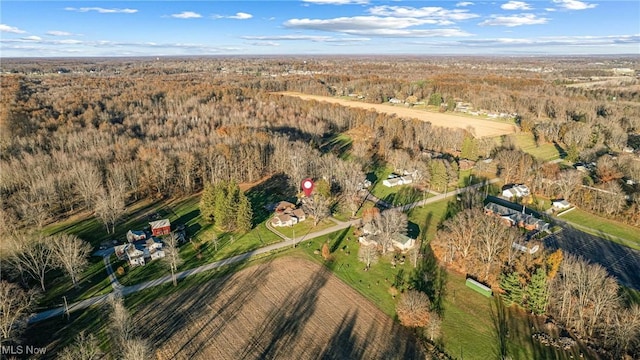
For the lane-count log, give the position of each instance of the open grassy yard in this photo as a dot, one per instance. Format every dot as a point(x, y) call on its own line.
point(198, 250)
point(397, 195)
point(93, 282)
point(201, 251)
point(600, 226)
point(546, 151)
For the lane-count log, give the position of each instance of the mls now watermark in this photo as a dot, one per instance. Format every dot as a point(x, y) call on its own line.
point(8, 350)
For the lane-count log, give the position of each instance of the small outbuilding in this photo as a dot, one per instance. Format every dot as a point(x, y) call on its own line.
point(160, 227)
point(561, 204)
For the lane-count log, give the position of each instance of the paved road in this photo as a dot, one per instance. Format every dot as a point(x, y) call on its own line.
point(288, 242)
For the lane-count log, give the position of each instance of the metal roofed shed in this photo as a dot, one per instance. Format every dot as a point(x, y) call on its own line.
point(160, 227)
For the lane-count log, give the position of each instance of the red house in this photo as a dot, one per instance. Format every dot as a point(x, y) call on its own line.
point(160, 227)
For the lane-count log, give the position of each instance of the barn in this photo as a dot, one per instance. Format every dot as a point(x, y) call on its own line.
point(160, 227)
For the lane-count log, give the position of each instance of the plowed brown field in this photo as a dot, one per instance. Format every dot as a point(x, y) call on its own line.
point(286, 309)
point(479, 127)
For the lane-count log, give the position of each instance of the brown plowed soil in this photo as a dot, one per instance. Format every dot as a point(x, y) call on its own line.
point(288, 308)
point(478, 127)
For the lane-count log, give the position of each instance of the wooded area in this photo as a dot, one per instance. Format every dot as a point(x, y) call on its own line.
point(93, 137)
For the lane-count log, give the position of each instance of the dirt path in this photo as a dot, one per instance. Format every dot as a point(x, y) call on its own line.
point(288, 308)
point(480, 127)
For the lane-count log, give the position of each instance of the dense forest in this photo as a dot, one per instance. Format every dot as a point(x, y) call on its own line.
point(94, 136)
point(97, 134)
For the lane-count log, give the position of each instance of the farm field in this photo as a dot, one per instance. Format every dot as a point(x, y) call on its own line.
point(285, 308)
point(481, 127)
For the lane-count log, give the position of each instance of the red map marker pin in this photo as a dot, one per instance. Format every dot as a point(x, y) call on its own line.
point(307, 187)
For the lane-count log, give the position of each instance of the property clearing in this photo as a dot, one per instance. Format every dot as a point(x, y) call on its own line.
point(480, 128)
point(287, 308)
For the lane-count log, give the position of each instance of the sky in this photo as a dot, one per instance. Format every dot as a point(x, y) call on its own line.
point(308, 27)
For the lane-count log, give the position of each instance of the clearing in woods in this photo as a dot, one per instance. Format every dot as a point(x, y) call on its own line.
point(287, 308)
point(480, 127)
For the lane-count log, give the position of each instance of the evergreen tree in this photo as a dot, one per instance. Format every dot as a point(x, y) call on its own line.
point(207, 203)
point(221, 207)
point(231, 206)
point(244, 214)
point(510, 283)
point(538, 292)
point(435, 99)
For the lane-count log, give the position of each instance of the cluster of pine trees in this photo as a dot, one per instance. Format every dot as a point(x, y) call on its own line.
point(226, 206)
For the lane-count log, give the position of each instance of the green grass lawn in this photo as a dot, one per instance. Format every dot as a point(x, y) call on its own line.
point(527, 143)
point(229, 244)
point(467, 177)
point(373, 284)
point(428, 217)
point(94, 281)
point(184, 211)
point(466, 325)
point(339, 144)
point(600, 226)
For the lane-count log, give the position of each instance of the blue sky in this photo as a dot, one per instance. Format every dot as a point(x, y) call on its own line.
point(156, 28)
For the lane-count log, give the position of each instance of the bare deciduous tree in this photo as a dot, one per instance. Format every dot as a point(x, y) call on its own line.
point(434, 327)
point(70, 253)
point(120, 323)
point(15, 305)
point(413, 309)
point(84, 347)
point(31, 255)
point(626, 330)
point(318, 207)
point(109, 207)
point(172, 255)
point(388, 225)
point(493, 238)
point(86, 178)
point(368, 254)
point(580, 293)
point(136, 349)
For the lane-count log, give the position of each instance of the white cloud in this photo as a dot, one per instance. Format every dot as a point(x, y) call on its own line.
point(32, 38)
point(103, 10)
point(337, 2)
point(464, 3)
point(241, 16)
point(577, 41)
point(313, 38)
point(237, 16)
point(11, 29)
point(363, 23)
point(186, 15)
point(514, 20)
point(374, 26)
point(438, 14)
point(549, 9)
point(516, 5)
point(59, 33)
point(264, 43)
point(69, 41)
point(574, 4)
